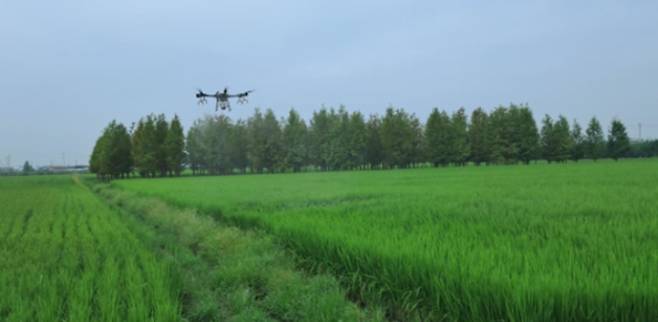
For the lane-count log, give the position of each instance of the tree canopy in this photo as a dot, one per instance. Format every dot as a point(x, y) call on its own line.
point(341, 140)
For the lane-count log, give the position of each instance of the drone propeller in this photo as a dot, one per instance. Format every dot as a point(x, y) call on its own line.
point(201, 96)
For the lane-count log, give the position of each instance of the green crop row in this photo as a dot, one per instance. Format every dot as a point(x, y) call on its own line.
point(65, 256)
point(562, 242)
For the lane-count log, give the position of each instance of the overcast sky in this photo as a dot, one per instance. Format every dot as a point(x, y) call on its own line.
point(67, 68)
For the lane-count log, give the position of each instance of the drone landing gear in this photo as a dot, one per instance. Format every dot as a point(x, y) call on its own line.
point(223, 105)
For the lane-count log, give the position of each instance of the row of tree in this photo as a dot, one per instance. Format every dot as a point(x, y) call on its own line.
point(340, 140)
point(336, 140)
point(151, 147)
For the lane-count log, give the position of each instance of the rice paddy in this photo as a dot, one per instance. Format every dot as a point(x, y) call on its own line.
point(65, 256)
point(558, 242)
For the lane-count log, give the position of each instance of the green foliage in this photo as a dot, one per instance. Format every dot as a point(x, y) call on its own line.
point(175, 147)
point(340, 140)
point(320, 132)
point(161, 132)
point(145, 147)
point(459, 149)
point(578, 148)
point(557, 140)
point(374, 150)
point(67, 257)
point(272, 142)
point(239, 143)
point(27, 168)
point(399, 138)
point(257, 141)
point(479, 136)
point(526, 135)
point(562, 139)
point(594, 140)
point(618, 141)
point(574, 242)
point(438, 137)
point(112, 154)
point(357, 141)
point(644, 149)
point(228, 274)
point(511, 135)
point(194, 148)
point(500, 145)
point(294, 142)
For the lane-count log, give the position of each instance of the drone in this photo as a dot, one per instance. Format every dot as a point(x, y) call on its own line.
point(221, 98)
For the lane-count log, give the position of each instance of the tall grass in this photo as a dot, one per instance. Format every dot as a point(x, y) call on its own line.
point(65, 256)
point(566, 242)
point(231, 275)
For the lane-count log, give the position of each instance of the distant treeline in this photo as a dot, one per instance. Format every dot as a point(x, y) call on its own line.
point(339, 140)
point(151, 147)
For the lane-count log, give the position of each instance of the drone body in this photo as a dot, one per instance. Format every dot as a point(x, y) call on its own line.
point(222, 98)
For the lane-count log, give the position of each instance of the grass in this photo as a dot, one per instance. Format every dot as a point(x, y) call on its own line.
point(65, 256)
point(561, 242)
point(228, 274)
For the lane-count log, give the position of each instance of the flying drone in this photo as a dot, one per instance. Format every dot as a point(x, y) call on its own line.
point(222, 98)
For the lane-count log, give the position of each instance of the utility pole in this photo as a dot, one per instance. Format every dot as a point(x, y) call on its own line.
point(639, 130)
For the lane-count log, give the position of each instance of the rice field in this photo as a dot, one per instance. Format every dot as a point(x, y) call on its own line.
point(544, 242)
point(65, 256)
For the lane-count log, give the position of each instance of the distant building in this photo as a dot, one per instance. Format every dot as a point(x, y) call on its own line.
point(64, 169)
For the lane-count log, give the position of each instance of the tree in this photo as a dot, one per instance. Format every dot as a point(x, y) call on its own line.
point(417, 152)
point(618, 141)
point(175, 146)
point(272, 141)
point(438, 137)
point(216, 141)
point(594, 141)
point(194, 148)
point(548, 142)
point(578, 148)
point(27, 168)
point(257, 141)
point(479, 136)
point(508, 126)
point(357, 140)
point(563, 141)
point(294, 142)
point(145, 147)
point(238, 144)
point(112, 154)
point(320, 138)
point(374, 150)
point(526, 135)
point(397, 138)
point(95, 159)
point(459, 135)
point(339, 140)
point(160, 150)
point(500, 146)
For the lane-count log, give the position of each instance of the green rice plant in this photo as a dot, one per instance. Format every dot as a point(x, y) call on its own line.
point(67, 257)
point(544, 242)
point(227, 274)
